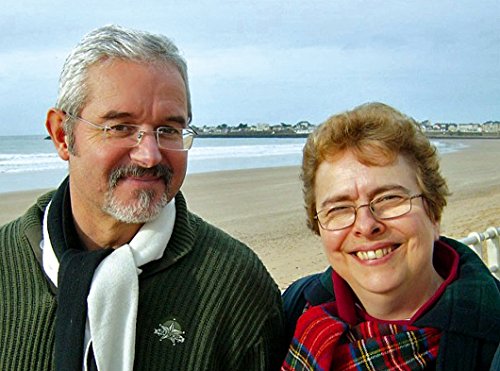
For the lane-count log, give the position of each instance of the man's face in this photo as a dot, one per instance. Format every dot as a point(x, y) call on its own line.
point(130, 184)
point(376, 257)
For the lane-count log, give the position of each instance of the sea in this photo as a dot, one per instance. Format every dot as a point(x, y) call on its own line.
point(30, 162)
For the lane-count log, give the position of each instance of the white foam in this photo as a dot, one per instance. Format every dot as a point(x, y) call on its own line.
point(21, 163)
point(44, 168)
point(245, 151)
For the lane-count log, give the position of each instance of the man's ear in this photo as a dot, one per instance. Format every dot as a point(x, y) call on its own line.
point(55, 126)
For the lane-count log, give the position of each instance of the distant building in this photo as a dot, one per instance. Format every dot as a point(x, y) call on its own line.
point(262, 127)
point(491, 127)
point(303, 127)
point(469, 128)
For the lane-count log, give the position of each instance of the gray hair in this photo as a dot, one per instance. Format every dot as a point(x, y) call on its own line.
point(112, 41)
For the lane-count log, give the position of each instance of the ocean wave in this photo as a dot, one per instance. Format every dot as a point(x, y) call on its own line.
point(244, 151)
point(22, 163)
point(19, 163)
point(204, 155)
point(448, 146)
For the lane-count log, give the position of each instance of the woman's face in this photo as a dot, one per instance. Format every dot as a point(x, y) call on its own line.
point(381, 257)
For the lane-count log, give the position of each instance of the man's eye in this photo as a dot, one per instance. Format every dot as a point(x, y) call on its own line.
point(168, 130)
point(122, 129)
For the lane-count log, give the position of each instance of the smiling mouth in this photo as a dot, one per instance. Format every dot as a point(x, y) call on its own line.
point(375, 254)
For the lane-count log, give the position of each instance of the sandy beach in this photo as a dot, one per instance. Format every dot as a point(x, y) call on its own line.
point(263, 207)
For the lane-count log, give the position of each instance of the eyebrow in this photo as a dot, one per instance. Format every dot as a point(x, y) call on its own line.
point(345, 197)
point(113, 115)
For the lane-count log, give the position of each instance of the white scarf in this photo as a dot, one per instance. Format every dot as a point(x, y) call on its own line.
point(113, 297)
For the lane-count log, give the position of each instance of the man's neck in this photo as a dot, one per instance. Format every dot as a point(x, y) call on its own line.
point(103, 232)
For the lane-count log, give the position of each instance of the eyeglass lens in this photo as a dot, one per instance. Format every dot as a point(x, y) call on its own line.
point(388, 207)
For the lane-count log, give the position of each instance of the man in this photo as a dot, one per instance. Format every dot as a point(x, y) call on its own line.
point(111, 271)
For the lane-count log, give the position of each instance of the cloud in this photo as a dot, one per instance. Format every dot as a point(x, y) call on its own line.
point(277, 61)
point(31, 63)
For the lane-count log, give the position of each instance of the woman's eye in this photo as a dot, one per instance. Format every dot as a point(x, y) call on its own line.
point(390, 198)
point(337, 210)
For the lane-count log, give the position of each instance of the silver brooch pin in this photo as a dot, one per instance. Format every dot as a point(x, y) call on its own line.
point(170, 330)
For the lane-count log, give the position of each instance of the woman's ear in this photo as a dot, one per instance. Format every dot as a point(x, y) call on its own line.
point(55, 127)
point(437, 230)
point(436, 224)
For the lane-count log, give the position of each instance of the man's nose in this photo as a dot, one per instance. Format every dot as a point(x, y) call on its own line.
point(147, 153)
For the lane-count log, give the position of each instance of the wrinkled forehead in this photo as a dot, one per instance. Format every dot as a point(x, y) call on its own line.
point(119, 82)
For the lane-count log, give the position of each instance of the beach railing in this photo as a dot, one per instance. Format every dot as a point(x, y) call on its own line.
point(487, 246)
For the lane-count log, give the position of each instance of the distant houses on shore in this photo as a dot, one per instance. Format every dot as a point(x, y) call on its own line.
point(489, 129)
point(301, 128)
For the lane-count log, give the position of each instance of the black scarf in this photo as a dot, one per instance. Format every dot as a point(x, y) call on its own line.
point(76, 269)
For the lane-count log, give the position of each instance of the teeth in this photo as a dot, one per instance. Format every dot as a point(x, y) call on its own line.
point(373, 254)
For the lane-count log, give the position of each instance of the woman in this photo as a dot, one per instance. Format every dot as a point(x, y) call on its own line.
point(398, 295)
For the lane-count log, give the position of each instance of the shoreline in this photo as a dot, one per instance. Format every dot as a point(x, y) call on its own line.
point(445, 135)
point(263, 207)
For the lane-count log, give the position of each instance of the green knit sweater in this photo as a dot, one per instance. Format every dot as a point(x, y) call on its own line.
point(208, 304)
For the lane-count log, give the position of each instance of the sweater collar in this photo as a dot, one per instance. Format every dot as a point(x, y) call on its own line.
point(180, 244)
point(474, 294)
point(445, 261)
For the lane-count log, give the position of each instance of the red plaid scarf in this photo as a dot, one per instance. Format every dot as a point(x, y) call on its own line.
point(323, 342)
point(342, 336)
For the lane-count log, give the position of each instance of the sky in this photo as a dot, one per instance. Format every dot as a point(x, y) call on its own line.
point(274, 61)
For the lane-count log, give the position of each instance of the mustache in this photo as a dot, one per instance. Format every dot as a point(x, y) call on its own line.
point(160, 171)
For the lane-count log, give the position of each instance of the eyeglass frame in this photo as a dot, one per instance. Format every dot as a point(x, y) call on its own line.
point(356, 208)
point(140, 133)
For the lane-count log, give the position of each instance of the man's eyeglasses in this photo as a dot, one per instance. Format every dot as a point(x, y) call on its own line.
point(385, 207)
point(130, 135)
